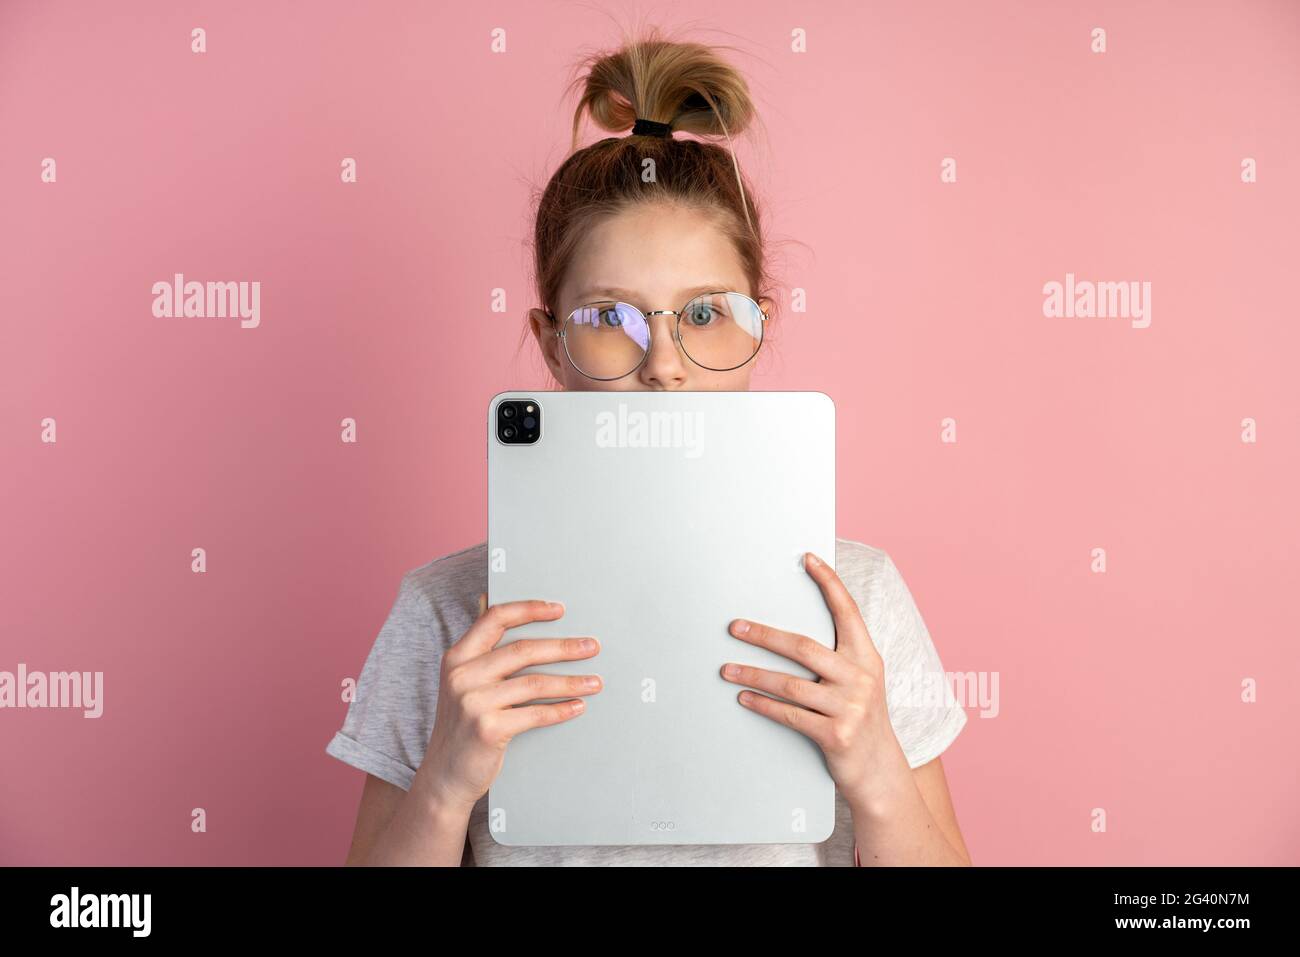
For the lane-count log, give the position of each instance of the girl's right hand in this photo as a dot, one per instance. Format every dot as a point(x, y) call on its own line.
point(475, 719)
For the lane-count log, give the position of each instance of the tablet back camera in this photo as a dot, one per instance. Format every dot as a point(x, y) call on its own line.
point(519, 421)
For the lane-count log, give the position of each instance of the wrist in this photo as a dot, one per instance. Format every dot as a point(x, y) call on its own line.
point(435, 799)
point(884, 796)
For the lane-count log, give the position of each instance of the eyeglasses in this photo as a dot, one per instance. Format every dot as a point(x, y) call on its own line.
point(719, 331)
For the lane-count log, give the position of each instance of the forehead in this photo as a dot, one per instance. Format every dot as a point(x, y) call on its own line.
point(657, 252)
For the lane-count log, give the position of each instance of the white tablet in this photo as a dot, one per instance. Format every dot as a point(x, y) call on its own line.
point(657, 518)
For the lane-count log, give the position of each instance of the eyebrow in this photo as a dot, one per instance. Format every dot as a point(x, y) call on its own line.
point(596, 293)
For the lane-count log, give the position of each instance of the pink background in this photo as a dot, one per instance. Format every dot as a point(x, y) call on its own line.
point(1119, 691)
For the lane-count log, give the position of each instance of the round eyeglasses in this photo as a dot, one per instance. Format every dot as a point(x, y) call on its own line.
point(719, 331)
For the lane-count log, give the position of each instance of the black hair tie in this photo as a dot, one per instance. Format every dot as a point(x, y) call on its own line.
point(651, 128)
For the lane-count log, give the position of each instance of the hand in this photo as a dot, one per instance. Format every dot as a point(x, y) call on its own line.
point(845, 710)
point(475, 719)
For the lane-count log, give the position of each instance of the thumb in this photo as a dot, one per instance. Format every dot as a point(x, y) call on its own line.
point(482, 603)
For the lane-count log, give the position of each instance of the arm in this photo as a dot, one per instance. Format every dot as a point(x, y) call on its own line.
point(478, 713)
point(902, 816)
point(915, 826)
point(396, 827)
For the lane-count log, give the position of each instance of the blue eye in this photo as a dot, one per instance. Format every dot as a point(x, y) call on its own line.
point(702, 313)
point(611, 317)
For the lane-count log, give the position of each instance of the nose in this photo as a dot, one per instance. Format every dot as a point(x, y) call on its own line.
point(666, 365)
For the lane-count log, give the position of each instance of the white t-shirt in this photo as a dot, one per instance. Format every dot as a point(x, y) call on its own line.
point(387, 726)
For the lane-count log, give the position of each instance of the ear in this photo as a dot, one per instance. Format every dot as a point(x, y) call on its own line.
point(767, 304)
point(545, 330)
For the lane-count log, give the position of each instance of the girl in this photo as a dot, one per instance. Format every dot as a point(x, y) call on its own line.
point(656, 261)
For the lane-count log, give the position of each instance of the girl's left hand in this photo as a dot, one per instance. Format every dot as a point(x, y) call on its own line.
point(844, 711)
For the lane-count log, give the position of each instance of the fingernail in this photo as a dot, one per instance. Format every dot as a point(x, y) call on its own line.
point(811, 559)
point(587, 644)
point(731, 671)
point(740, 627)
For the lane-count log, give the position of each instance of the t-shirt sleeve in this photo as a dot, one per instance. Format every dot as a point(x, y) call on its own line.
point(923, 710)
point(387, 726)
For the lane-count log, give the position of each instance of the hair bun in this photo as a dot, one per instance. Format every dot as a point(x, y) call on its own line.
point(686, 85)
